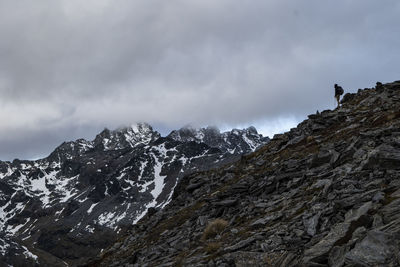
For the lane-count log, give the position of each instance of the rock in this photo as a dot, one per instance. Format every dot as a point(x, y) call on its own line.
point(190, 188)
point(323, 183)
point(376, 249)
point(392, 227)
point(355, 214)
point(358, 234)
point(311, 224)
point(298, 232)
point(378, 197)
point(316, 127)
point(260, 162)
point(243, 243)
point(391, 211)
point(202, 220)
point(234, 231)
point(239, 188)
point(267, 219)
point(347, 97)
point(339, 235)
point(151, 211)
point(257, 259)
point(384, 156)
point(395, 194)
point(377, 221)
point(296, 140)
point(227, 203)
point(337, 256)
point(319, 252)
point(321, 158)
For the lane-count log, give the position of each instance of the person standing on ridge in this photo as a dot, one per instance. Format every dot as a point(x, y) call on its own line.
point(338, 92)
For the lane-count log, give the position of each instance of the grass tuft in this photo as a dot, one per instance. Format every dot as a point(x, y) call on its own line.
point(214, 228)
point(212, 247)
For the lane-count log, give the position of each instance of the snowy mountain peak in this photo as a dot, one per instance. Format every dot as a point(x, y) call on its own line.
point(69, 150)
point(140, 133)
point(189, 133)
point(235, 141)
point(141, 127)
point(126, 137)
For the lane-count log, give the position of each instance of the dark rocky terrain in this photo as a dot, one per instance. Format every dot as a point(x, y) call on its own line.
point(326, 193)
point(64, 209)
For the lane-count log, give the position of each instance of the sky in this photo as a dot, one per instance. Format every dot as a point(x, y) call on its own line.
point(70, 68)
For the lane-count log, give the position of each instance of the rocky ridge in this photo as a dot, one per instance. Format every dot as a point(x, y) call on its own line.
point(326, 193)
point(67, 207)
point(235, 141)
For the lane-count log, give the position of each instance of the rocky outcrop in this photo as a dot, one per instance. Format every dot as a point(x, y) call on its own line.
point(326, 193)
point(66, 208)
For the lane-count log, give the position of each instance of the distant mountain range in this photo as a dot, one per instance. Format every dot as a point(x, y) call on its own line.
point(65, 208)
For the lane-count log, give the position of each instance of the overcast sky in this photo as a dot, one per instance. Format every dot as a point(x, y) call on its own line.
point(69, 68)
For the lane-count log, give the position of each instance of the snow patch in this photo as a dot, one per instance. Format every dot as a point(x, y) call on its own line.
point(91, 208)
point(158, 178)
point(251, 144)
point(29, 254)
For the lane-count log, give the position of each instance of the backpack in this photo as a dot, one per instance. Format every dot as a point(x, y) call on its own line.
point(339, 90)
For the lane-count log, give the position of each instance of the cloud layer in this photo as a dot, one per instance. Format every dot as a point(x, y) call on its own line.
point(69, 68)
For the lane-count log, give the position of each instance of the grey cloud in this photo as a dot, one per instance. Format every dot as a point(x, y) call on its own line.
point(85, 65)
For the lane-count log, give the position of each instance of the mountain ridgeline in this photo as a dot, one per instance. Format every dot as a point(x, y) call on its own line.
point(64, 209)
point(326, 193)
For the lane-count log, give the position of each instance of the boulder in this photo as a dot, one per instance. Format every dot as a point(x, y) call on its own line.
point(339, 235)
point(383, 157)
point(376, 249)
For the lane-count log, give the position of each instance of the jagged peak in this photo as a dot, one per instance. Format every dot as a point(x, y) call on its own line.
point(190, 133)
point(123, 137)
point(70, 149)
point(141, 127)
point(248, 130)
point(198, 133)
point(248, 138)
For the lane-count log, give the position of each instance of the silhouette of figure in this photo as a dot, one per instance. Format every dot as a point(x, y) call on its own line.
point(338, 92)
point(379, 87)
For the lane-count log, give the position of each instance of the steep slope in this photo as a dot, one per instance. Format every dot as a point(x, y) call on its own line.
point(326, 193)
point(65, 208)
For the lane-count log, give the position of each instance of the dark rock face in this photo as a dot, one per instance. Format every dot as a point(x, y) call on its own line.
point(326, 193)
point(69, 206)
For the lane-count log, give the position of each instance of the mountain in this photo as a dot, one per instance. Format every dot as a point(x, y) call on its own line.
point(65, 208)
point(326, 193)
point(234, 142)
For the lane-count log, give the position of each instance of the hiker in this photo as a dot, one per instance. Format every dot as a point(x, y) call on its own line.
point(379, 87)
point(338, 92)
